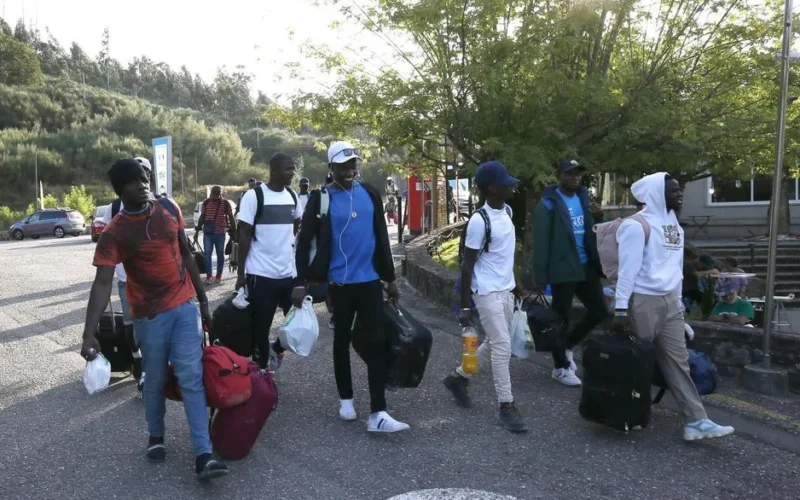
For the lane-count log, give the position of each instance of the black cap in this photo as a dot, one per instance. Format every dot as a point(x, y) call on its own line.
point(304, 181)
point(568, 165)
point(252, 179)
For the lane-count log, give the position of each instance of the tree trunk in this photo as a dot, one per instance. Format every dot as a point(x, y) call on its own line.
point(784, 214)
point(531, 199)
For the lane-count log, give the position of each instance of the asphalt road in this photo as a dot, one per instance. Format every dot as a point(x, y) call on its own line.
point(58, 442)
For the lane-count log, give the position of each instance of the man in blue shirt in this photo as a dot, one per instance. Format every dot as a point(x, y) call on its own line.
point(353, 255)
point(565, 256)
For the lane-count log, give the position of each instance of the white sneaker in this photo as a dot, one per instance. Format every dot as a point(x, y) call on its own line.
point(571, 359)
point(705, 429)
point(382, 422)
point(567, 377)
point(346, 410)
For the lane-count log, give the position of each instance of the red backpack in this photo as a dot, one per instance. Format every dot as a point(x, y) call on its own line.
point(226, 377)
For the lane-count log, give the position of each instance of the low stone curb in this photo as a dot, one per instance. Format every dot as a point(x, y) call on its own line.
point(730, 347)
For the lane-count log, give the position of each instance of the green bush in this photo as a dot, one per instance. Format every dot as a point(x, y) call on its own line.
point(78, 199)
point(8, 217)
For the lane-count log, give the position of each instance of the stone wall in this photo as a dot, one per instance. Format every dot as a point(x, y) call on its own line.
point(730, 347)
point(430, 278)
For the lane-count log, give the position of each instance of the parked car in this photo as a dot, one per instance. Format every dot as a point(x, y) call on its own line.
point(199, 208)
point(98, 222)
point(56, 221)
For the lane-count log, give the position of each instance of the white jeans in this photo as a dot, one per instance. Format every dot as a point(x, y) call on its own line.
point(496, 310)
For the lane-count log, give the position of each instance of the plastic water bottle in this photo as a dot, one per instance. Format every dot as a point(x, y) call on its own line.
point(469, 360)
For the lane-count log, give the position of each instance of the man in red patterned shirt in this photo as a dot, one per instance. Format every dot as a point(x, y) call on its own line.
point(216, 219)
point(163, 289)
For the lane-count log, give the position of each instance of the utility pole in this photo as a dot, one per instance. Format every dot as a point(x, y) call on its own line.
point(769, 302)
point(195, 178)
point(36, 176)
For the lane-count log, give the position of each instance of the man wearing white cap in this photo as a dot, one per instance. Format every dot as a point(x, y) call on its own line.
point(354, 255)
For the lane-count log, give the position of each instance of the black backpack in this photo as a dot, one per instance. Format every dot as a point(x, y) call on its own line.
point(487, 240)
point(260, 204)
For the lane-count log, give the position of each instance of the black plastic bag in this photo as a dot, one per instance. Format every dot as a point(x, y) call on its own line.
point(408, 346)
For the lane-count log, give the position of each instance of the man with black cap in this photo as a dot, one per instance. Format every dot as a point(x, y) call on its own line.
point(487, 277)
point(565, 257)
point(303, 195)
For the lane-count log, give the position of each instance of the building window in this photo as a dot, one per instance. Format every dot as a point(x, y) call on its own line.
point(757, 190)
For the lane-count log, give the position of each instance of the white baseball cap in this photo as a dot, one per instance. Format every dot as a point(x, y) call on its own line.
point(145, 163)
point(342, 152)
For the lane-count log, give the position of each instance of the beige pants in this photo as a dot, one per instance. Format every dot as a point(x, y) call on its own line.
point(496, 311)
point(659, 318)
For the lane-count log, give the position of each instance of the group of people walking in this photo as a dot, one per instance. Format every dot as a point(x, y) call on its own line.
point(335, 239)
point(648, 293)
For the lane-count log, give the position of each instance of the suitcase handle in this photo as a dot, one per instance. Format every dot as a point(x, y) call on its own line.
point(113, 321)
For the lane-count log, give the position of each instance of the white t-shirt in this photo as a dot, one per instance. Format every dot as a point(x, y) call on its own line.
point(303, 199)
point(494, 270)
point(119, 268)
point(272, 250)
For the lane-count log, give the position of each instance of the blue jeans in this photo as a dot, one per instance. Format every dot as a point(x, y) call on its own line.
point(175, 336)
point(211, 241)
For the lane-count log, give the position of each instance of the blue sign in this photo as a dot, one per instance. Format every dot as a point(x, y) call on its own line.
point(162, 165)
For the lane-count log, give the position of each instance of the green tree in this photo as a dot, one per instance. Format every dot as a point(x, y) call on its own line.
point(20, 65)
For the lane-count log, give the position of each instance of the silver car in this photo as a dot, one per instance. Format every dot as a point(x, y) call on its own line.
point(54, 221)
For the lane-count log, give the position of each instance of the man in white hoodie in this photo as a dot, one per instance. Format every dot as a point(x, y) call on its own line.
point(648, 295)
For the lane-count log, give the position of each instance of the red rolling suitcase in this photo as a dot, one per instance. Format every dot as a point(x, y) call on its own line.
point(234, 430)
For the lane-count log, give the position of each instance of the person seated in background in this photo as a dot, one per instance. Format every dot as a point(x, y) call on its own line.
point(731, 308)
point(731, 265)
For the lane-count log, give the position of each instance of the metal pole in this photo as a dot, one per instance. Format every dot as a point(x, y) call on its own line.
point(776, 188)
point(36, 178)
point(195, 178)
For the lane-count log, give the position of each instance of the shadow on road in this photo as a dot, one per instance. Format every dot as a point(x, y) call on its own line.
point(54, 243)
point(83, 286)
point(43, 327)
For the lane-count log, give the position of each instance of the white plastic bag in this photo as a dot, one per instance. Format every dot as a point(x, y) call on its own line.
point(240, 301)
point(97, 374)
point(300, 330)
point(521, 337)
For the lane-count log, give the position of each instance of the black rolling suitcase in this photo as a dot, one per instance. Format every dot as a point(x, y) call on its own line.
point(617, 374)
point(232, 327)
point(113, 346)
point(408, 344)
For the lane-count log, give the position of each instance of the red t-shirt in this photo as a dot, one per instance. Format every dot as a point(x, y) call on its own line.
point(147, 246)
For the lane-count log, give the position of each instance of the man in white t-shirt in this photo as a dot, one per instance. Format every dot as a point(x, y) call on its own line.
point(487, 276)
point(304, 194)
point(266, 247)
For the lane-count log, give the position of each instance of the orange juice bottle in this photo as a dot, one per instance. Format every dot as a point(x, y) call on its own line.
point(469, 360)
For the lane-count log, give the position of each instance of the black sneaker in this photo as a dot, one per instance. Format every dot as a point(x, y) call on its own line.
point(156, 451)
point(457, 385)
point(511, 418)
point(208, 468)
point(137, 369)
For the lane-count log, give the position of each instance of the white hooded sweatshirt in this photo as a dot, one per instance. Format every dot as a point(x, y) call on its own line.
point(655, 268)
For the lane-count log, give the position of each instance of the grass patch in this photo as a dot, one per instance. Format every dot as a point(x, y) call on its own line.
point(448, 254)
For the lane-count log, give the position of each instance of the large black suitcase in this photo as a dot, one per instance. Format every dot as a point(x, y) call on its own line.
point(233, 327)
point(408, 344)
point(617, 374)
point(111, 336)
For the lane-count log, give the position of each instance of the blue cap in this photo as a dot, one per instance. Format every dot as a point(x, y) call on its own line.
point(494, 172)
